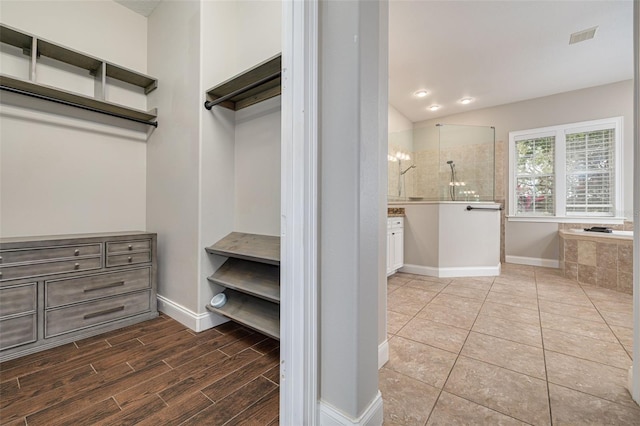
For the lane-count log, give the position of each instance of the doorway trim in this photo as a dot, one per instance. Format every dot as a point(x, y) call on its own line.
point(299, 215)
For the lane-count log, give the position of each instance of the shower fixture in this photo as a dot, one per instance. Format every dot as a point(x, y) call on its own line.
point(413, 166)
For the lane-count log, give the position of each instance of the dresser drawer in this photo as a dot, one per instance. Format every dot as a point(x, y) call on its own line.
point(76, 317)
point(128, 259)
point(18, 300)
point(46, 268)
point(18, 331)
point(73, 290)
point(49, 253)
point(125, 246)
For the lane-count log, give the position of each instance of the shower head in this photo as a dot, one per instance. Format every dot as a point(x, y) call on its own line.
point(450, 162)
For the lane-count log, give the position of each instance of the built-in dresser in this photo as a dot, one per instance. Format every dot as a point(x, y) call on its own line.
point(57, 289)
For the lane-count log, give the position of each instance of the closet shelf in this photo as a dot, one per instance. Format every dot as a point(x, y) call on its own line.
point(250, 87)
point(54, 94)
point(251, 277)
point(252, 312)
point(36, 47)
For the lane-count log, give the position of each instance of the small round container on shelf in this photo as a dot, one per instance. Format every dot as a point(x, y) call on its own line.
point(219, 300)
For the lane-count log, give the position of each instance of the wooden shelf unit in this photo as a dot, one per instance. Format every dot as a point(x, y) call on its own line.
point(251, 277)
point(254, 85)
point(101, 70)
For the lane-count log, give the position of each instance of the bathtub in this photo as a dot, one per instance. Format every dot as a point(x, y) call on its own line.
point(598, 258)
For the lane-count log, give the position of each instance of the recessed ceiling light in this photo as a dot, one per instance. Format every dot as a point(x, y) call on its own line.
point(421, 93)
point(465, 101)
point(434, 107)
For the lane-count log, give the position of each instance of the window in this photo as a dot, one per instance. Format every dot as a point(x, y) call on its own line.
point(566, 171)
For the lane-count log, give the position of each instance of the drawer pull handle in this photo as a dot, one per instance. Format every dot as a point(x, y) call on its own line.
point(76, 252)
point(130, 259)
point(76, 266)
point(130, 247)
point(111, 285)
point(105, 312)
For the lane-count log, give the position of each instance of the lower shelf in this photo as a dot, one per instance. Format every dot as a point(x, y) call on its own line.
point(252, 312)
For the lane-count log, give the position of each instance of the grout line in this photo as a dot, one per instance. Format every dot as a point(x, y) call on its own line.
point(544, 355)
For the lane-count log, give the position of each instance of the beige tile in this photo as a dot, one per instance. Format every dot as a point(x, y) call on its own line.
point(589, 377)
point(523, 291)
point(406, 401)
point(393, 280)
point(622, 319)
point(505, 353)
point(448, 315)
point(391, 288)
point(607, 255)
point(475, 283)
point(514, 394)
point(511, 300)
point(408, 300)
point(464, 291)
point(587, 274)
point(513, 313)
point(571, 251)
point(570, 270)
point(614, 305)
point(451, 410)
point(435, 334)
point(607, 278)
point(595, 330)
point(625, 257)
point(456, 302)
point(588, 313)
point(598, 294)
point(625, 282)
point(570, 407)
point(587, 253)
point(428, 278)
point(608, 353)
point(395, 321)
point(400, 277)
point(426, 285)
point(419, 361)
point(520, 332)
point(624, 335)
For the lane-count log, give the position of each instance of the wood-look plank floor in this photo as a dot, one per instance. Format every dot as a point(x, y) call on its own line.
point(157, 372)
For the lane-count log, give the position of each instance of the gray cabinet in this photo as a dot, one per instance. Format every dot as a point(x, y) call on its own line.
point(57, 289)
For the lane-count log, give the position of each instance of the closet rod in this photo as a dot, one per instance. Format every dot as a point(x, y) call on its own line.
point(211, 104)
point(72, 104)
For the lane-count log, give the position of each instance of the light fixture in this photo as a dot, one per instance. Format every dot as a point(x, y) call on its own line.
point(434, 107)
point(465, 101)
point(421, 93)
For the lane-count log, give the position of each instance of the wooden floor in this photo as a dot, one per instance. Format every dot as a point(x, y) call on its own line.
point(154, 373)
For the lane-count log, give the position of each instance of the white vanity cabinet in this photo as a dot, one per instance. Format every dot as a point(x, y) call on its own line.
point(395, 244)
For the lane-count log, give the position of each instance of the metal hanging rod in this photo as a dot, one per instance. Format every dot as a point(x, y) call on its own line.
point(484, 208)
point(72, 104)
point(210, 104)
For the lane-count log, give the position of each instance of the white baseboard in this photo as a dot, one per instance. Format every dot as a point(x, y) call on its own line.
point(383, 353)
point(466, 271)
point(372, 416)
point(533, 261)
point(196, 322)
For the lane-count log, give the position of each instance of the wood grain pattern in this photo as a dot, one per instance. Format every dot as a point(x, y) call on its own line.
point(165, 381)
point(257, 248)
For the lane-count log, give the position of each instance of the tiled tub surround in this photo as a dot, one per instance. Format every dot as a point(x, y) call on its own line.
point(600, 259)
point(526, 347)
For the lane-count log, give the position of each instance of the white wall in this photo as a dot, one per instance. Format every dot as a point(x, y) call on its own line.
point(539, 240)
point(64, 170)
point(173, 150)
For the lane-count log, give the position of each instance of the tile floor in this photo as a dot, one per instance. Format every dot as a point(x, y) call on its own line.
point(527, 347)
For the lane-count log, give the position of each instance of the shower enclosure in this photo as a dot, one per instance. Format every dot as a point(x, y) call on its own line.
point(445, 162)
point(443, 176)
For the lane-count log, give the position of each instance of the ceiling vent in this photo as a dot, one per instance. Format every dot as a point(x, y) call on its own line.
point(582, 35)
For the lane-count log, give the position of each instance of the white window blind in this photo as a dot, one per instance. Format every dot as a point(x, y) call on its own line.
point(590, 173)
point(571, 170)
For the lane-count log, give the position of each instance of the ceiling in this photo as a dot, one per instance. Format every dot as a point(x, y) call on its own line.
point(143, 7)
point(499, 52)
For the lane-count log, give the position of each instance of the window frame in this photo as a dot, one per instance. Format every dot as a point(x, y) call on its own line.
point(560, 184)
